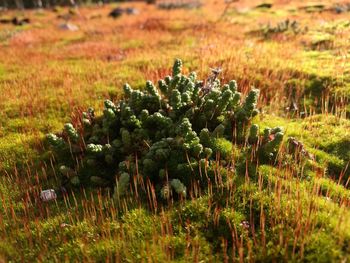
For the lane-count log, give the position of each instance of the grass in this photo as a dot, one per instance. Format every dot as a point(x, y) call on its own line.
point(281, 212)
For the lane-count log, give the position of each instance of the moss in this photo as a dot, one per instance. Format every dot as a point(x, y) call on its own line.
point(323, 135)
point(315, 85)
point(33, 104)
point(12, 152)
point(340, 148)
point(132, 44)
point(73, 38)
point(196, 212)
point(321, 247)
point(139, 223)
point(223, 148)
point(334, 164)
point(313, 7)
point(102, 89)
point(332, 190)
point(2, 71)
point(7, 251)
point(321, 41)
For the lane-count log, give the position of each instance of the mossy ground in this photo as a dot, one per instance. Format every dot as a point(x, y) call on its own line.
point(48, 75)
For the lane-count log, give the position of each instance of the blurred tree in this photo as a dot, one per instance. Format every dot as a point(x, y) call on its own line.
point(19, 4)
point(38, 3)
point(4, 4)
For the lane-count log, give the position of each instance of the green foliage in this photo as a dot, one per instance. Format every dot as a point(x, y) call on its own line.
point(122, 185)
point(177, 68)
point(175, 132)
point(321, 247)
point(55, 141)
point(271, 142)
point(222, 147)
point(253, 134)
point(71, 132)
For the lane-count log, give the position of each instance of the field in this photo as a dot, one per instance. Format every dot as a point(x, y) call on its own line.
point(297, 53)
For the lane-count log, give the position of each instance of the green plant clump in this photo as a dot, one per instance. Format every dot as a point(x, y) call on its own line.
point(286, 26)
point(172, 135)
